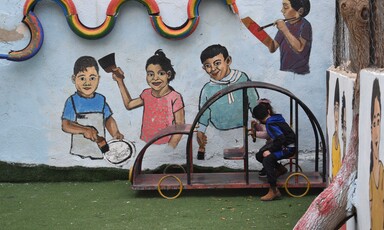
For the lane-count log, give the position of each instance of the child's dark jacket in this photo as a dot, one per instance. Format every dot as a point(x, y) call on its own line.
point(281, 134)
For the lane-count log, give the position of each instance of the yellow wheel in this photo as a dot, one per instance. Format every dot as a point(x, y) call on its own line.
point(296, 176)
point(173, 166)
point(170, 197)
point(130, 174)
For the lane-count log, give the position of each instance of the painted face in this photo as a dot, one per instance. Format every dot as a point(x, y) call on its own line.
point(86, 82)
point(288, 11)
point(157, 78)
point(217, 67)
point(336, 115)
point(375, 129)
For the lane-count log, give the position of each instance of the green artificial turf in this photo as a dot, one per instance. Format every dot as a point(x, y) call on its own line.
point(114, 205)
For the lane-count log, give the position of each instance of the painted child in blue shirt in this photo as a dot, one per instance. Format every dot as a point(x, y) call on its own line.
point(86, 113)
point(227, 112)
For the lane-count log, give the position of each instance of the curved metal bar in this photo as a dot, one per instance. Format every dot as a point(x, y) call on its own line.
point(253, 84)
point(170, 130)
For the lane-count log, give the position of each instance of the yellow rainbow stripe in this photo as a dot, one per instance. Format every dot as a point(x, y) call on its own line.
point(113, 9)
point(91, 33)
point(83, 31)
point(29, 5)
point(35, 43)
point(193, 8)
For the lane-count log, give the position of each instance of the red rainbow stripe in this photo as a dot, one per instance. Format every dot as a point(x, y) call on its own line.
point(83, 31)
point(35, 43)
point(88, 32)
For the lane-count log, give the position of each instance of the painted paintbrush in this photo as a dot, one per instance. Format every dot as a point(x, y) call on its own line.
point(109, 65)
point(273, 23)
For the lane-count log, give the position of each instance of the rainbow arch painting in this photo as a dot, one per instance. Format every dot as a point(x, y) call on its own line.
point(70, 12)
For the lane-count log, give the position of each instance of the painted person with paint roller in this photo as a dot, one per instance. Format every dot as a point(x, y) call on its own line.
point(294, 38)
point(86, 113)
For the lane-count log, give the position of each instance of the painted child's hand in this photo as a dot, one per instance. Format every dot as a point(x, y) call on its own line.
point(118, 136)
point(90, 133)
point(280, 25)
point(117, 74)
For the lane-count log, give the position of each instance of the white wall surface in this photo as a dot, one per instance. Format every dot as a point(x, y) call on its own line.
point(33, 92)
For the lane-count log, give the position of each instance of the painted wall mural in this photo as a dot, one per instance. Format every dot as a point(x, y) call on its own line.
point(86, 115)
point(339, 121)
point(37, 34)
point(50, 74)
point(294, 36)
point(226, 113)
point(370, 182)
point(163, 105)
point(376, 169)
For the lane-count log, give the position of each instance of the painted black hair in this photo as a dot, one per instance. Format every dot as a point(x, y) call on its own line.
point(376, 94)
point(82, 63)
point(159, 58)
point(305, 4)
point(212, 51)
point(337, 93)
point(342, 108)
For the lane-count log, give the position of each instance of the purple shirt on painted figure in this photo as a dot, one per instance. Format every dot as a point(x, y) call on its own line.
point(289, 59)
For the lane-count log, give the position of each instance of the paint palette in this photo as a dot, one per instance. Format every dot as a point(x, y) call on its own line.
point(120, 151)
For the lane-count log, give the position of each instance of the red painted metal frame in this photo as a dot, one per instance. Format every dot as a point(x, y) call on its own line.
point(231, 180)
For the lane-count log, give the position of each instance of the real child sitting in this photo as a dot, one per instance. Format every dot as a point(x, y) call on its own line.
point(281, 146)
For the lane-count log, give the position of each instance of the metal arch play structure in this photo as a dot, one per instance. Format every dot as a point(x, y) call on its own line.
point(245, 178)
point(37, 34)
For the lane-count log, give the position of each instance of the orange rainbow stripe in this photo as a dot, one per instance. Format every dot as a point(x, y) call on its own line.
point(193, 8)
point(102, 30)
point(29, 6)
point(91, 33)
point(35, 43)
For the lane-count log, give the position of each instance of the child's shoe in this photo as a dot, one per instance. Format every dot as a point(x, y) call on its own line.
point(273, 194)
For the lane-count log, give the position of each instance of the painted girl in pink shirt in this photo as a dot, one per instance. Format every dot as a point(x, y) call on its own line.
point(163, 106)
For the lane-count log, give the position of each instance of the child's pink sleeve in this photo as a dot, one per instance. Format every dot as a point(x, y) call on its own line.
point(177, 102)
